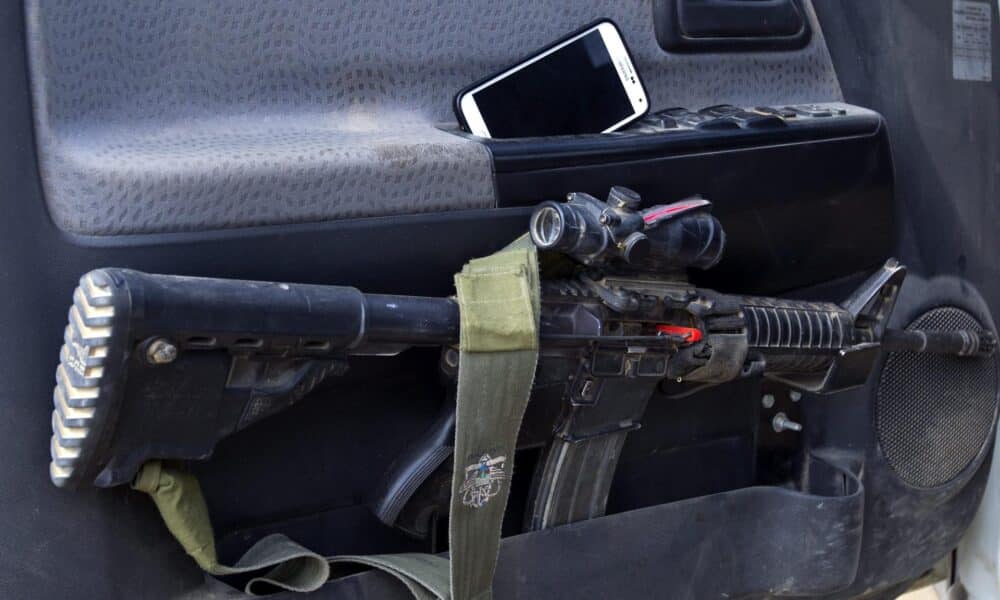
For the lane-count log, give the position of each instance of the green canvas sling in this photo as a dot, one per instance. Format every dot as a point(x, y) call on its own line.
point(498, 298)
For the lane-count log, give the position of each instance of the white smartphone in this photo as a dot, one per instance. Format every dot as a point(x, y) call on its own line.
point(584, 83)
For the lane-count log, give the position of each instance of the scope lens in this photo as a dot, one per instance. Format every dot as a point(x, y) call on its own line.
point(547, 226)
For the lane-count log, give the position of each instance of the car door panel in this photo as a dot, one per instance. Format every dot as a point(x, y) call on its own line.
point(314, 142)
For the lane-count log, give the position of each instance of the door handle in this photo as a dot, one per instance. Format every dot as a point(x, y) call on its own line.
point(730, 25)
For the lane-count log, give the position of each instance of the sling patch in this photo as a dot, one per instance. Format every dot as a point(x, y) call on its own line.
point(483, 480)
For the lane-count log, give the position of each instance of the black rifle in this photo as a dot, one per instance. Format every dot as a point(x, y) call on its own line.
point(160, 366)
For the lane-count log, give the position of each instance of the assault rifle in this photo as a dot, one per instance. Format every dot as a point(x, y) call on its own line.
point(161, 366)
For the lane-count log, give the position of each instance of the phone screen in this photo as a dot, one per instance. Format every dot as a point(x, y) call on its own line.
point(574, 90)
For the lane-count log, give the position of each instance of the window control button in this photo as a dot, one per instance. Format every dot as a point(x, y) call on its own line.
point(720, 110)
point(719, 123)
point(811, 110)
point(753, 120)
point(819, 108)
point(659, 120)
point(784, 113)
point(743, 120)
point(677, 111)
point(684, 116)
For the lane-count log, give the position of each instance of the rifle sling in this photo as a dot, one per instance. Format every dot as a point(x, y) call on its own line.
point(498, 298)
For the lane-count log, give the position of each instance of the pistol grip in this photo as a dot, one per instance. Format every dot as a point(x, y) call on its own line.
point(415, 465)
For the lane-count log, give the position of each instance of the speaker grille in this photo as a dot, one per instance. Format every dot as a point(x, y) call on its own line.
point(934, 413)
